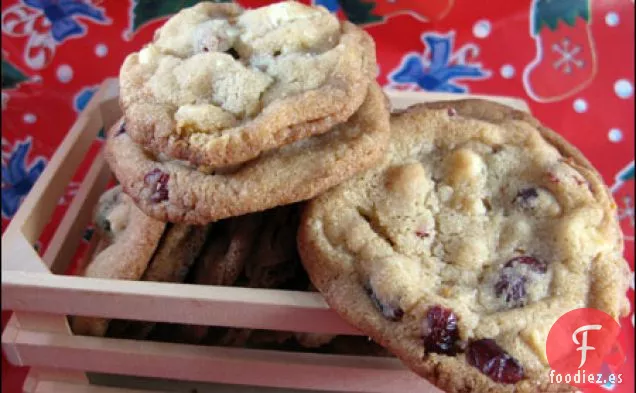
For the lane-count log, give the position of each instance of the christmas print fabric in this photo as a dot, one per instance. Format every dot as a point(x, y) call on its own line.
point(571, 60)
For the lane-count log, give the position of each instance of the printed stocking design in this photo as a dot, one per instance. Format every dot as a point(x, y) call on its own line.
point(565, 62)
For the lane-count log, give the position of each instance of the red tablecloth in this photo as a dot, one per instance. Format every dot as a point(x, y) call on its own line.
point(571, 60)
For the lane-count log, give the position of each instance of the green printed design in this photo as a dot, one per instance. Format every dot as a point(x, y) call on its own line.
point(147, 10)
point(11, 76)
point(359, 11)
point(548, 13)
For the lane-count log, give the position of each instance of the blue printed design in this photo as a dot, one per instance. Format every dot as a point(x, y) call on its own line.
point(438, 68)
point(623, 176)
point(62, 14)
point(331, 5)
point(82, 98)
point(17, 177)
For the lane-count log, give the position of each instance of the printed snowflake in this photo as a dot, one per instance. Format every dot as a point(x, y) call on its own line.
point(568, 56)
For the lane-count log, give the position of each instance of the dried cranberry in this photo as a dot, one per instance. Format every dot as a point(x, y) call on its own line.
point(451, 112)
point(440, 331)
point(512, 284)
point(390, 312)
point(513, 288)
point(532, 262)
point(422, 232)
point(158, 183)
point(493, 361)
point(526, 197)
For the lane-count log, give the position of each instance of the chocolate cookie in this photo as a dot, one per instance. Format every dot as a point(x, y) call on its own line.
point(130, 239)
point(175, 192)
point(221, 262)
point(462, 248)
point(272, 264)
point(220, 85)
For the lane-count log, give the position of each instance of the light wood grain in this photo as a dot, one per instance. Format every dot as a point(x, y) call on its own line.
point(168, 302)
point(224, 365)
point(79, 214)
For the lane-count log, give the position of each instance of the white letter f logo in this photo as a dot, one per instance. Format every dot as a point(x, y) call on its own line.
point(584, 348)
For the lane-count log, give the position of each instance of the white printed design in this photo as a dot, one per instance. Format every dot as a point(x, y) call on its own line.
point(47, 24)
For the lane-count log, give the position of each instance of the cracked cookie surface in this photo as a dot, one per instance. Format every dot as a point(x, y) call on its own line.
point(174, 191)
point(220, 85)
point(458, 252)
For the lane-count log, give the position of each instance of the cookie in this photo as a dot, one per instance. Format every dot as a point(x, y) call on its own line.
point(220, 85)
point(222, 261)
point(227, 250)
point(132, 238)
point(173, 191)
point(274, 262)
point(107, 225)
point(460, 250)
point(176, 253)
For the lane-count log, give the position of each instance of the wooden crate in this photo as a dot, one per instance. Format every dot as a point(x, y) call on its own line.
point(39, 336)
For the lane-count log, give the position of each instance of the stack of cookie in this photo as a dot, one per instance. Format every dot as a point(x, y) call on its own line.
point(454, 234)
point(230, 111)
point(257, 250)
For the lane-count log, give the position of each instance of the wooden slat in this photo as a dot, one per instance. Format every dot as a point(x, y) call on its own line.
point(9, 334)
point(109, 107)
point(18, 255)
point(21, 320)
point(38, 375)
point(46, 380)
point(222, 365)
point(167, 302)
point(66, 387)
point(69, 232)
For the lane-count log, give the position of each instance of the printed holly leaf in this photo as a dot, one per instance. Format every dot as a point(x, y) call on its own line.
point(550, 13)
point(359, 11)
point(147, 10)
point(11, 76)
